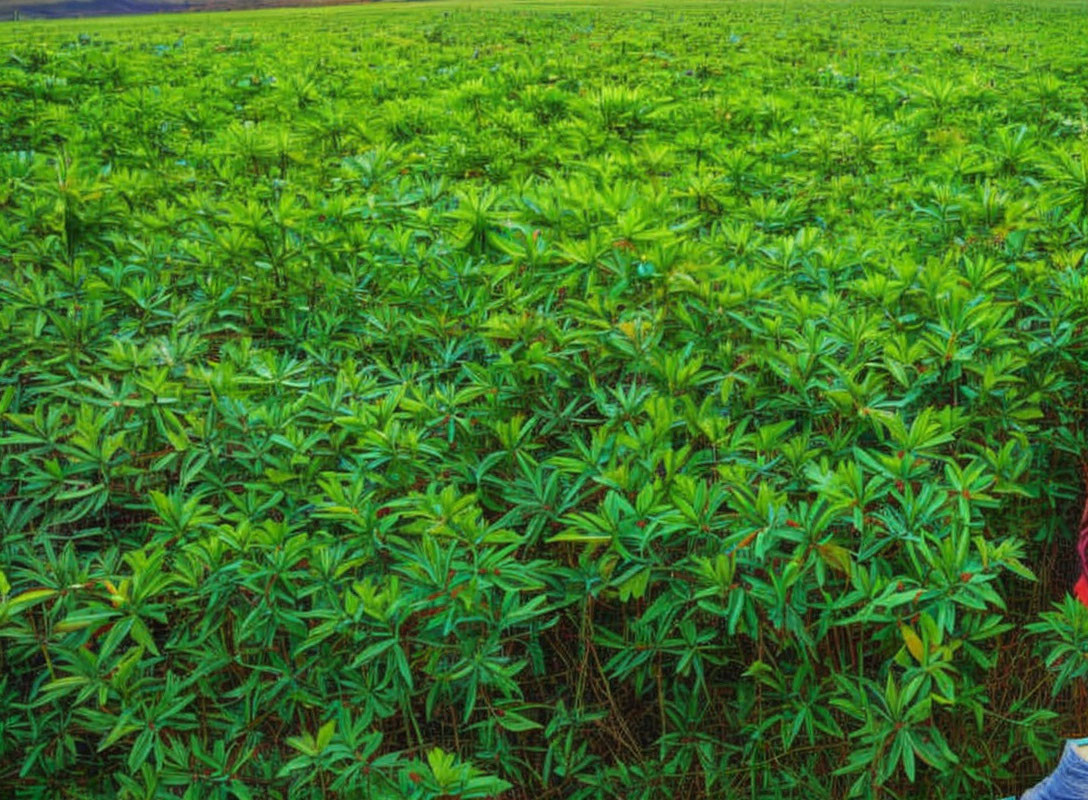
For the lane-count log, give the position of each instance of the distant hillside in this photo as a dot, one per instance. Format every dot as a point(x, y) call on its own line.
point(46, 9)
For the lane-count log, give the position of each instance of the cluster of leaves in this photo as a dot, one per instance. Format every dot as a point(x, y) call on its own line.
point(429, 402)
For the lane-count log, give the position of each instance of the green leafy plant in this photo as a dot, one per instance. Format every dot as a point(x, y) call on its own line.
point(454, 402)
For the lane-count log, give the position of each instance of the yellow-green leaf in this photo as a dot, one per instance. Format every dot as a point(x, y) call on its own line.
point(836, 556)
point(913, 641)
point(31, 597)
point(634, 586)
point(325, 734)
point(573, 535)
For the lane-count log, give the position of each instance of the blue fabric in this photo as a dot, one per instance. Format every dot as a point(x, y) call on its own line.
point(1068, 782)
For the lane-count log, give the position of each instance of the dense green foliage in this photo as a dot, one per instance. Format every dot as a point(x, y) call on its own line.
point(431, 401)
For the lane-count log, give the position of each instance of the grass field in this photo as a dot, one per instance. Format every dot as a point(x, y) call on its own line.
point(24, 10)
point(541, 400)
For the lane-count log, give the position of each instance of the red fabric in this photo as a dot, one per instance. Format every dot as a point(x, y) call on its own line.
point(1081, 590)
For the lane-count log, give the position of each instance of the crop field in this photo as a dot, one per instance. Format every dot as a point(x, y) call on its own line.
point(543, 400)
